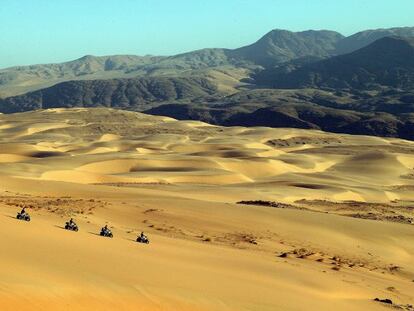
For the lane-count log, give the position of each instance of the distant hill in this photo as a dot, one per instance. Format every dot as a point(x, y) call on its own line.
point(202, 59)
point(17, 80)
point(279, 46)
point(121, 93)
point(276, 47)
point(386, 62)
point(365, 38)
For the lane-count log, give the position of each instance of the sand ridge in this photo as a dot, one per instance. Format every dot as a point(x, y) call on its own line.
point(103, 145)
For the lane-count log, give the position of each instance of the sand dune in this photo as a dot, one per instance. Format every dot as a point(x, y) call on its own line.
point(343, 233)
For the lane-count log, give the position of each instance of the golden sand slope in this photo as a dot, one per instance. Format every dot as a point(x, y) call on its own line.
point(179, 182)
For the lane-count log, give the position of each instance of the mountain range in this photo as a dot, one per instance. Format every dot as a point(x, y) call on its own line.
point(361, 84)
point(275, 48)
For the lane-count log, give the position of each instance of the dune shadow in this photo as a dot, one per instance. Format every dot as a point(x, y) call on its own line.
point(128, 239)
point(14, 217)
point(46, 154)
point(94, 233)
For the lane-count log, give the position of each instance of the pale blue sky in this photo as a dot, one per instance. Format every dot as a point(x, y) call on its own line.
point(45, 31)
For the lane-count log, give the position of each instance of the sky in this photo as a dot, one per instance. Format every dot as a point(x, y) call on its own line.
point(49, 31)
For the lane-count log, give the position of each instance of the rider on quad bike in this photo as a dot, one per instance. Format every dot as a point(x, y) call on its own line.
point(105, 231)
point(142, 238)
point(71, 225)
point(23, 215)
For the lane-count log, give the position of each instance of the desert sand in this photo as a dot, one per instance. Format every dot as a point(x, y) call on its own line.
point(332, 231)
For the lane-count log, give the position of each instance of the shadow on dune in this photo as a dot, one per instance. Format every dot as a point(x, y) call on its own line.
point(46, 154)
point(133, 240)
point(14, 217)
point(60, 227)
point(94, 233)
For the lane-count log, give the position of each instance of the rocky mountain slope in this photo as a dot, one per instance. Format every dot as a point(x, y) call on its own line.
point(120, 93)
point(279, 46)
point(364, 38)
point(389, 114)
point(386, 62)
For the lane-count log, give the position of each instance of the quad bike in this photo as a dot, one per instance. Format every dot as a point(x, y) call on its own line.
point(71, 226)
point(142, 240)
point(106, 233)
point(23, 216)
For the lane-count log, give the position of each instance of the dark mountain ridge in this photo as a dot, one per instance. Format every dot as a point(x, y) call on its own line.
point(387, 62)
point(121, 93)
point(279, 46)
point(353, 113)
point(364, 38)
